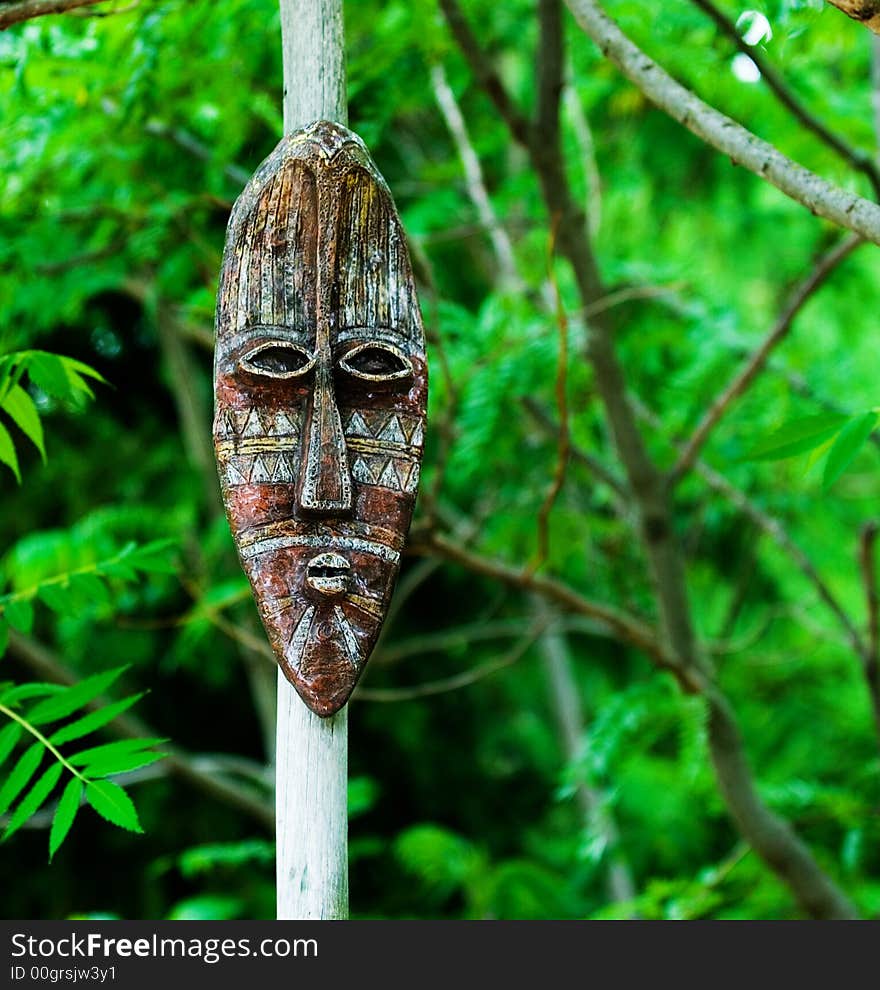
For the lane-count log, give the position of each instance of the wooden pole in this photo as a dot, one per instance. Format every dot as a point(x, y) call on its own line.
point(311, 775)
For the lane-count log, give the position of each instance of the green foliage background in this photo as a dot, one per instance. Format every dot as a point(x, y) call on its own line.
point(125, 140)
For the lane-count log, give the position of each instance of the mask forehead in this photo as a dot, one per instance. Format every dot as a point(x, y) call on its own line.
point(316, 229)
point(269, 276)
point(321, 390)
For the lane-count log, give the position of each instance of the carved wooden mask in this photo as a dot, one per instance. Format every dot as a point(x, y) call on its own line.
point(320, 397)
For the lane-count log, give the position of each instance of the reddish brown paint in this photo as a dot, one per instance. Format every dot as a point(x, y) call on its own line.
point(318, 438)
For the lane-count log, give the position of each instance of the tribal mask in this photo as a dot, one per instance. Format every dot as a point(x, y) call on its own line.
point(320, 397)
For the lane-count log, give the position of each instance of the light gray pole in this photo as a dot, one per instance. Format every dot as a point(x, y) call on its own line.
point(311, 776)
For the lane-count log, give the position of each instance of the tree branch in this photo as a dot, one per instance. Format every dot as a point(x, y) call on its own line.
point(591, 463)
point(629, 629)
point(484, 71)
point(777, 532)
point(563, 439)
point(871, 665)
point(875, 91)
point(565, 703)
point(237, 175)
point(508, 276)
point(193, 415)
point(444, 425)
point(461, 637)
point(866, 11)
point(769, 835)
point(457, 681)
point(26, 10)
point(678, 650)
point(744, 378)
point(724, 134)
point(587, 153)
point(855, 157)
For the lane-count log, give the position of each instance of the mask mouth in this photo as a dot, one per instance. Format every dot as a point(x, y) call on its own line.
point(328, 574)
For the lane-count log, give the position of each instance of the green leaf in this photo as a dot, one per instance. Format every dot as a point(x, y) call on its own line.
point(797, 437)
point(111, 802)
point(47, 371)
point(849, 442)
point(203, 859)
point(22, 772)
point(34, 799)
point(88, 590)
point(4, 636)
point(9, 736)
point(122, 763)
point(155, 557)
point(7, 452)
point(111, 750)
point(24, 692)
point(362, 794)
point(57, 597)
point(21, 409)
point(93, 721)
point(73, 697)
point(19, 613)
point(83, 369)
point(206, 907)
point(65, 813)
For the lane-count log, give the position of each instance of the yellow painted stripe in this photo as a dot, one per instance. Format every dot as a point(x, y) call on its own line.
point(366, 605)
point(256, 445)
point(385, 448)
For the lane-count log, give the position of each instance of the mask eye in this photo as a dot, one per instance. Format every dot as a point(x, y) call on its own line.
point(278, 360)
point(377, 362)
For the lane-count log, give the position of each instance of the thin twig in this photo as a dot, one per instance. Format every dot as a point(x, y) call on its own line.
point(191, 144)
point(744, 378)
point(563, 436)
point(855, 157)
point(867, 540)
point(251, 643)
point(206, 764)
point(743, 583)
point(777, 532)
point(629, 294)
point(133, 5)
point(871, 665)
point(255, 653)
point(458, 681)
point(629, 629)
point(462, 637)
point(724, 134)
point(740, 501)
point(602, 472)
point(444, 427)
point(476, 187)
point(587, 154)
point(113, 249)
point(484, 70)
point(875, 92)
point(598, 819)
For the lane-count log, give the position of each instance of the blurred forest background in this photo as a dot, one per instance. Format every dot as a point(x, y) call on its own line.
point(548, 727)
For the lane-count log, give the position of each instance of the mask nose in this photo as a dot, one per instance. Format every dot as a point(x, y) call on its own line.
point(326, 484)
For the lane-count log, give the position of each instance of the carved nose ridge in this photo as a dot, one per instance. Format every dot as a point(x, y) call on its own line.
point(326, 482)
